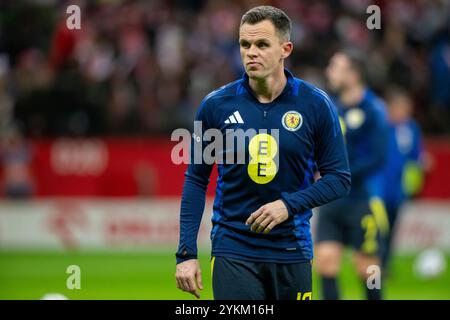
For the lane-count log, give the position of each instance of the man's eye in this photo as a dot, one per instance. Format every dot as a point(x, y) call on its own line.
point(244, 45)
point(262, 45)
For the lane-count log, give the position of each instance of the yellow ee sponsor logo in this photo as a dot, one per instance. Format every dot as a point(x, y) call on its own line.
point(262, 167)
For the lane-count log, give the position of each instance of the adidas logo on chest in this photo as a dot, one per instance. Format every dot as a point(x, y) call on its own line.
point(234, 118)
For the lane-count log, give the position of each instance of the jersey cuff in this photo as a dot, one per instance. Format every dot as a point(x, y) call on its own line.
point(182, 257)
point(284, 195)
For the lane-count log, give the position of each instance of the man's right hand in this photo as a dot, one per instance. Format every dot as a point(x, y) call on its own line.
point(189, 277)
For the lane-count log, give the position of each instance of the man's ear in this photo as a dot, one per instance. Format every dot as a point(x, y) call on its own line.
point(286, 48)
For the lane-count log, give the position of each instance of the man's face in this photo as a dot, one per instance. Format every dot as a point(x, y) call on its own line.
point(399, 108)
point(339, 72)
point(262, 50)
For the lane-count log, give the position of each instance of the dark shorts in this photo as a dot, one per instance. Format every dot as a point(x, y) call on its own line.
point(235, 279)
point(350, 222)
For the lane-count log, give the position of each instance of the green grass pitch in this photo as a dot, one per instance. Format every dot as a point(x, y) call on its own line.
point(27, 275)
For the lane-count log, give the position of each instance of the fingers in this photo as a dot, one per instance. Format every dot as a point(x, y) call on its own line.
point(179, 285)
point(198, 277)
point(188, 277)
point(196, 293)
point(267, 217)
point(193, 287)
point(267, 225)
point(264, 224)
point(188, 285)
point(254, 215)
point(257, 223)
point(262, 221)
point(270, 227)
point(257, 218)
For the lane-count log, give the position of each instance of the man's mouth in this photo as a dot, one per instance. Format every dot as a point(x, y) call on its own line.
point(253, 64)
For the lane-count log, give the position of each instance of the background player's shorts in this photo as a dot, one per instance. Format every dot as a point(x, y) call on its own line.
point(350, 222)
point(235, 279)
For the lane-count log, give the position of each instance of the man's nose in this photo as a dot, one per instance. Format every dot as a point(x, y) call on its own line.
point(252, 51)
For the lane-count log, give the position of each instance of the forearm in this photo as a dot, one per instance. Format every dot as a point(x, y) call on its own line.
point(328, 188)
point(192, 206)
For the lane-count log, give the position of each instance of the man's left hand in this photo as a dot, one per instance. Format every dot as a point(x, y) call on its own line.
point(267, 217)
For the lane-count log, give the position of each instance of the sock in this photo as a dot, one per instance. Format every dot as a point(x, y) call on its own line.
point(329, 288)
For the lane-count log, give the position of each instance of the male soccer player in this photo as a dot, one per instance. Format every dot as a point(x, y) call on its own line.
point(354, 220)
point(403, 174)
point(261, 241)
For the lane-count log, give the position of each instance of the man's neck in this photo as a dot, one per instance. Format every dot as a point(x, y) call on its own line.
point(352, 96)
point(268, 89)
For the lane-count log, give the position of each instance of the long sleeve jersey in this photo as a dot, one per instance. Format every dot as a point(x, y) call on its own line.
point(367, 139)
point(296, 134)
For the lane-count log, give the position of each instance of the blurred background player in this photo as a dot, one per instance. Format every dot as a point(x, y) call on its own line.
point(403, 176)
point(354, 220)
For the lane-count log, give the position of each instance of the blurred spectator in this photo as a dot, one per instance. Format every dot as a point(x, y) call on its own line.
point(6, 100)
point(16, 155)
point(141, 67)
point(440, 83)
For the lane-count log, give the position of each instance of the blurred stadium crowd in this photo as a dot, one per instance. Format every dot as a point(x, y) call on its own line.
point(142, 67)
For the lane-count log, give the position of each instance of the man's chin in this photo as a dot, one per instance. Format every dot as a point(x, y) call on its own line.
point(255, 74)
point(334, 89)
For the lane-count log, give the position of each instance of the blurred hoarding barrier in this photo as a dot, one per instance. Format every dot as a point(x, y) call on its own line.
point(129, 167)
point(94, 224)
point(423, 224)
point(106, 168)
point(130, 224)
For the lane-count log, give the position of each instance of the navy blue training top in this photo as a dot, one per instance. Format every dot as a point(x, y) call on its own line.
point(278, 165)
point(367, 137)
